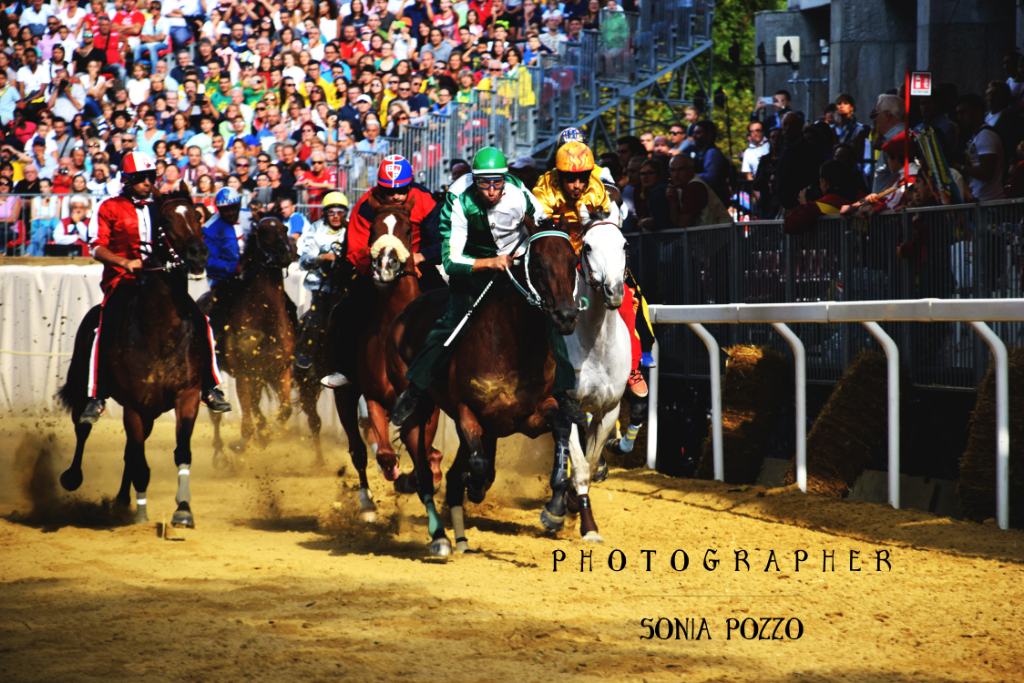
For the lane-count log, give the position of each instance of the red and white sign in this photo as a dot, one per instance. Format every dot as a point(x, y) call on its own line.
point(921, 84)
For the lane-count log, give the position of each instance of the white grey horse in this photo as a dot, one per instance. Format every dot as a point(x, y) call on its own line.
point(600, 351)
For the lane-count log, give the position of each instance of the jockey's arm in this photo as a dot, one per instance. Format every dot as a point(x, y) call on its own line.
point(109, 258)
point(221, 259)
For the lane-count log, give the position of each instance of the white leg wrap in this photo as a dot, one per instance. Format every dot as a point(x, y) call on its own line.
point(365, 498)
point(458, 522)
point(183, 495)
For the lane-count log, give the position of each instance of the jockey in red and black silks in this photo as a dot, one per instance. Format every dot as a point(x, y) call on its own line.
point(119, 228)
point(395, 186)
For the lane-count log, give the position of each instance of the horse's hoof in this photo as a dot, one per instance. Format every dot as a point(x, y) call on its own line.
point(440, 547)
point(551, 522)
point(71, 479)
point(390, 473)
point(611, 445)
point(183, 517)
point(601, 471)
point(462, 546)
point(593, 537)
point(220, 461)
point(238, 446)
point(368, 515)
point(367, 509)
point(475, 496)
point(140, 515)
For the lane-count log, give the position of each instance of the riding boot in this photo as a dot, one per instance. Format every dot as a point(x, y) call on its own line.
point(405, 406)
point(310, 334)
point(93, 409)
point(215, 401)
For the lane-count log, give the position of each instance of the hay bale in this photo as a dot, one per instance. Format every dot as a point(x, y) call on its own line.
point(977, 486)
point(853, 422)
point(756, 380)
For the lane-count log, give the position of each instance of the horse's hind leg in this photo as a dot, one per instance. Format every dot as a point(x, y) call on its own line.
point(136, 470)
point(185, 412)
point(220, 461)
point(387, 458)
point(440, 546)
point(283, 390)
point(455, 491)
point(346, 403)
point(308, 395)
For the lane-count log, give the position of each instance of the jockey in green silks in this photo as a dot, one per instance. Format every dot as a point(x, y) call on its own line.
point(481, 223)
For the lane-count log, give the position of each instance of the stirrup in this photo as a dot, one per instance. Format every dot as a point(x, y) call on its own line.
point(335, 380)
point(215, 401)
point(92, 412)
point(637, 384)
point(405, 406)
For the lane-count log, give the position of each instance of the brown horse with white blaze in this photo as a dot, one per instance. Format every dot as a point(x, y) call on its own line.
point(155, 357)
point(257, 339)
point(501, 379)
point(396, 277)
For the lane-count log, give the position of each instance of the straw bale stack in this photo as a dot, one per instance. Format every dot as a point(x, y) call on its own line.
point(852, 423)
point(977, 486)
point(755, 384)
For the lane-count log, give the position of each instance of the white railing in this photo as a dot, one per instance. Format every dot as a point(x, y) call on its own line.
point(868, 313)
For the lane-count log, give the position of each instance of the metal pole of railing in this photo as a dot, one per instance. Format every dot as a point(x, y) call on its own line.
point(1002, 422)
point(892, 360)
point(652, 410)
point(800, 361)
point(716, 398)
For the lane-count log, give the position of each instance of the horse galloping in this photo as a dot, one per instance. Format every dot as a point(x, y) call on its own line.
point(154, 357)
point(257, 339)
point(501, 380)
point(396, 277)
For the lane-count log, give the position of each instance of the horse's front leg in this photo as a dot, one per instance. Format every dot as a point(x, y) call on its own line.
point(220, 462)
point(136, 470)
point(283, 389)
point(418, 437)
point(244, 387)
point(600, 428)
point(387, 457)
point(309, 392)
point(552, 517)
point(185, 412)
point(71, 478)
point(481, 468)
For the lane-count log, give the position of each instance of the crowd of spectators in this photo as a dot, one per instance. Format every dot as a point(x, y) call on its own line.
point(266, 96)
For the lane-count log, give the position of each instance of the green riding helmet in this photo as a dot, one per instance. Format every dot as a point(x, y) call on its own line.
point(489, 163)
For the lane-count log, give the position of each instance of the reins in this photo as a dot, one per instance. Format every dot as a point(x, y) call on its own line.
point(531, 294)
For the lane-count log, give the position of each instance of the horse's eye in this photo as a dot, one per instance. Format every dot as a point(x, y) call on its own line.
point(586, 247)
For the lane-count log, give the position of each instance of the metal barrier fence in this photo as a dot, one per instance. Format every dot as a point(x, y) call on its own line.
point(970, 251)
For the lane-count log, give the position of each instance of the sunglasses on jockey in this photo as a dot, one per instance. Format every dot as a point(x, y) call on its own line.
point(141, 176)
point(335, 211)
point(487, 183)
point(391, 191)
point(581, 176)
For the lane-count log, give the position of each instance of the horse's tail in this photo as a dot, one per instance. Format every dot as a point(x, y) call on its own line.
point(76, 383)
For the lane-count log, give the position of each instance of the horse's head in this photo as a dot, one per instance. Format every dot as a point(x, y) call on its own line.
point(552, 273)
point(603, 258)
point(271, 242)
point(179, 234)
point(390, 239)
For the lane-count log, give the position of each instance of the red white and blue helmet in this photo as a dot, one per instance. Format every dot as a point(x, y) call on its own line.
point(394, 171)
point(227, 196)
point(137, 164)
point(570, 135)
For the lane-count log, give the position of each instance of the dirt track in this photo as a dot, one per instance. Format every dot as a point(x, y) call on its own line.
point(279, 582)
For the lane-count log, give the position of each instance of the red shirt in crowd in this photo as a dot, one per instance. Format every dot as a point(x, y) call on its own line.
point(126, 18)
point(110, 44)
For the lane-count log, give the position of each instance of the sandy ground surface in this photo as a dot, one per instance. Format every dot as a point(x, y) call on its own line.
point(279, 581)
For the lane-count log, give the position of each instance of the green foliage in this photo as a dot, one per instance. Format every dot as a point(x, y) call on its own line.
point(733, 25)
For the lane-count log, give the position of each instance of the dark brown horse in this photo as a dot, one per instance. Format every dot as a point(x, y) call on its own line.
point(394, 273)
point(255, 332)
point(500, 380)
point(155, 357)
point(339, 275)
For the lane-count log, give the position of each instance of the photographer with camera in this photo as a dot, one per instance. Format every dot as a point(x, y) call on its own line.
point(65, 98)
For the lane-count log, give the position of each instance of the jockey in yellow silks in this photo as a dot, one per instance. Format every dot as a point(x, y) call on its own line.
point(576, 182)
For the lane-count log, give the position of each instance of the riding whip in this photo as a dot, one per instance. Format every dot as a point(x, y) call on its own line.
point(465, 318)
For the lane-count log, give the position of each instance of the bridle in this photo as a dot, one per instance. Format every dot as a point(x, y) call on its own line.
point(530, 292)
point(585, 269)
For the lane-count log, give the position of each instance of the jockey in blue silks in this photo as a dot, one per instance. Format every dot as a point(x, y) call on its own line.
point(224, 235)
